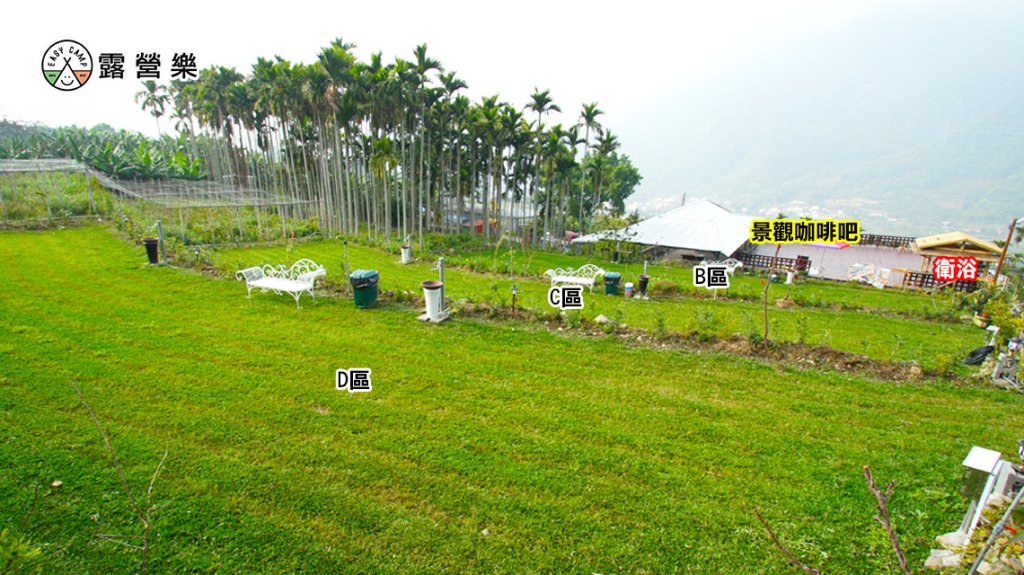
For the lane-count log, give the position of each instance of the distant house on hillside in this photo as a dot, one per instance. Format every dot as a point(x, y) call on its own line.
point(696, 231)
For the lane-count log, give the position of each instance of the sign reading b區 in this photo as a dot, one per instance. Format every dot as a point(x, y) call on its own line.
point(711, 276)
point(955, 268)
point(804, 231)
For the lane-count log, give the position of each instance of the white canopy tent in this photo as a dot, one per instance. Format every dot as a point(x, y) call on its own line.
point(698, 229)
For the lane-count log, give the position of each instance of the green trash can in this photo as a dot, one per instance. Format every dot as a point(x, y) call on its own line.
point(611, 283)
point(364, 287)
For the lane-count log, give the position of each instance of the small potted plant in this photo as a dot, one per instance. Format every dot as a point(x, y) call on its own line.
point(982, 319)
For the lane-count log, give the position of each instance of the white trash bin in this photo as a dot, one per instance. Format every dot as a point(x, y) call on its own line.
point(432, 295)
point(406, 254)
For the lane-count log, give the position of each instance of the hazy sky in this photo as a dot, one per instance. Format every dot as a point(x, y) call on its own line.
point(617, 54)
point(645, 65)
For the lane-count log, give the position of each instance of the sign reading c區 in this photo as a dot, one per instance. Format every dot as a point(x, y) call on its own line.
point(804, 231)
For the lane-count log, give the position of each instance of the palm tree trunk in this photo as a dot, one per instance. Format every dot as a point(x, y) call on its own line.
point(486, 198)
point(419, 207)
point(583, 173)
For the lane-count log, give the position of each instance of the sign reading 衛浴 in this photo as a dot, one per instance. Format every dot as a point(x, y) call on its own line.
point(955, 268)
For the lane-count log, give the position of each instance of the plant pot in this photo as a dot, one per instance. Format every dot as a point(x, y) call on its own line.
point(152, 245)
point(432, 296)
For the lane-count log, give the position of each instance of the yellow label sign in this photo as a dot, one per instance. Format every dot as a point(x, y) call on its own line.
point(804, 231)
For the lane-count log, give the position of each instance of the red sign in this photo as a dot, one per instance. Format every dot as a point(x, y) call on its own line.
point(951, 269)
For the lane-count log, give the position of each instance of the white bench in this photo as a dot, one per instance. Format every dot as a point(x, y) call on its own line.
point(294, 281)
point(586, 275)
point(730, 264)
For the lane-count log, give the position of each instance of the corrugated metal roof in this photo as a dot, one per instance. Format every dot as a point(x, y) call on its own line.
point(701, 226)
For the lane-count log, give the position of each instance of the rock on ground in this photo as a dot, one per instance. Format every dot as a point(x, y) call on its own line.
point(941, 558)
point(954, 541)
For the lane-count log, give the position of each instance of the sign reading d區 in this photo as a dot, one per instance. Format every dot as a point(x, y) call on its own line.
point(955, 268)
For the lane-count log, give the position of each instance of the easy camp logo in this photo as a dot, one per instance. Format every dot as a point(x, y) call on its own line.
point(67, 65)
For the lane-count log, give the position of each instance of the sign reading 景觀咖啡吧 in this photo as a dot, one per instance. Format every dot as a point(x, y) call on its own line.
point(763, 231)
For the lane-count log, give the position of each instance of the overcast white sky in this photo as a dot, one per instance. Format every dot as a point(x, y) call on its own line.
point(617, 54)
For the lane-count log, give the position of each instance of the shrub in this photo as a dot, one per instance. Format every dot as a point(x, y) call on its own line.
point(662, 287)
point(573, 319)
point(708, 325)
point(976, 300)
point(801, 328)
point(16, 553)
point(944, 364)
point(660, 328)
point(442, 244)
point(1001, 314)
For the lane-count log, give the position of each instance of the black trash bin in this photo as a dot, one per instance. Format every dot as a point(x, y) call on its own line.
point(364, 287)
point(642, 284)
point(152, 244)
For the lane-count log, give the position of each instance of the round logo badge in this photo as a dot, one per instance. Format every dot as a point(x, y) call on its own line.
point(67, 65)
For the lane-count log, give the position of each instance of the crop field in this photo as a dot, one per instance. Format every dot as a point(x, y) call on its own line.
point(484, 447)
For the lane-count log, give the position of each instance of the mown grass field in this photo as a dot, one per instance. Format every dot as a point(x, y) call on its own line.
point(483, 447)
point(870, 331)
point(745, 286)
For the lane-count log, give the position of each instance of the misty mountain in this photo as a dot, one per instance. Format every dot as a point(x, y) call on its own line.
point(910, 119)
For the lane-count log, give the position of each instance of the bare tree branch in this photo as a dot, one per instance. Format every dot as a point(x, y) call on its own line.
point(115, 539)
point(883, 516)
point(152, 480)
point(110, 448)
point(144, 516)
point(792, 558)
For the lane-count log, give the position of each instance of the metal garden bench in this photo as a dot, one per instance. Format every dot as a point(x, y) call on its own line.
point(294, 281)
point(730, 264)
point(585, 275)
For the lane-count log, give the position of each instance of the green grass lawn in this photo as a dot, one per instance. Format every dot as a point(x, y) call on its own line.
point(880, 336)
point(745, 286)
point(483, 447)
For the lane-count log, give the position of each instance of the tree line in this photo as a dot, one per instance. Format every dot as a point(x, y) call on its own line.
point(389, 149)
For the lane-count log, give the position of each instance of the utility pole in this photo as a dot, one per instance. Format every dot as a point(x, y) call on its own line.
point(1006, 246)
